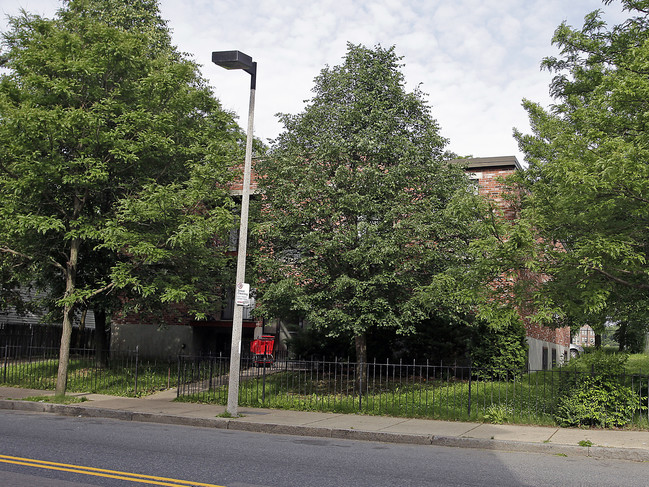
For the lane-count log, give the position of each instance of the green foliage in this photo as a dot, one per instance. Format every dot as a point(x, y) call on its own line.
point(360, 207)
point(598, 398)
point(57, 399)
point(112, 153)
point(588, 177)
point(114, 142)
point(604, 364)
point(597, 401)
point(313, 342)
point(499, 352)
point(86, 375)
point(436, 339)
point(638, 364)
point(521, 401)
point(631, 336)
point(498, 414)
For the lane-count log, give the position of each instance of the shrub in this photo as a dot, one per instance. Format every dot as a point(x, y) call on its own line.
point(597, 401)
point(499, 352)
point(598, 396)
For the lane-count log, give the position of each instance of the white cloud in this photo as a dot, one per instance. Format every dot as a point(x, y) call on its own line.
point(476, 59)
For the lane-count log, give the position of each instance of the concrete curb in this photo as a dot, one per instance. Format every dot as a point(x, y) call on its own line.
point(632, 454)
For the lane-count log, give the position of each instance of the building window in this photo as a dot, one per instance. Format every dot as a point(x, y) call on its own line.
point(474, 180)
point(544, 358)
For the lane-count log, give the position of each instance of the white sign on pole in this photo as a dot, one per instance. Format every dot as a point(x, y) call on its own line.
point(242, 297)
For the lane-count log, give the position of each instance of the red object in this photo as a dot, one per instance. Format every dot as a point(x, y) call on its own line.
point(262, 350)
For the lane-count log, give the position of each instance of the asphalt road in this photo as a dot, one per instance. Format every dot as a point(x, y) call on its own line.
point(54, 451)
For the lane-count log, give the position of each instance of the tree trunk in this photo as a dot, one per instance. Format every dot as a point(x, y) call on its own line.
point(621, 337)
point(68, 313)
point(360, 341)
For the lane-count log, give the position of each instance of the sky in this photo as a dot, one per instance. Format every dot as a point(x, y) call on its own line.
point(475, 59)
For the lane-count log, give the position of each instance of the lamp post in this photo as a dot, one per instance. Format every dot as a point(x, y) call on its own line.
point(239, 60)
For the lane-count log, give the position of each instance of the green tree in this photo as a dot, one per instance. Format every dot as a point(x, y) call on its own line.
point(361, 207)
point(111, 152)
point(587, 187)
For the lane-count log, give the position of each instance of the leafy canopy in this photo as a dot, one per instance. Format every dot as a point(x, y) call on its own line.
point(360, 205)
point(112, 150)
point(588, 179)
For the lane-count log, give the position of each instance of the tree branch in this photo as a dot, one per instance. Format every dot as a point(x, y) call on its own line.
point(7, 250)
point(619, 280)
point(57, 265)
point(99, 291)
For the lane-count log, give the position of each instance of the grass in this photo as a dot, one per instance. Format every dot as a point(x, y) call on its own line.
point(56, 399)
point(86, 375)
point(637, 363)
point(518, 401)
point(527, 399)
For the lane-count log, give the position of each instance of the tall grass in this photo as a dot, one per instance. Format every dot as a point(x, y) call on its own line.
point(121, 376)
point(446, 393)
point(521, 400)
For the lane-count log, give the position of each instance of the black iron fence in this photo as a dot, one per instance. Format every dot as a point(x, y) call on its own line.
point(426, 390)
point(438, 391)
point(116, 373)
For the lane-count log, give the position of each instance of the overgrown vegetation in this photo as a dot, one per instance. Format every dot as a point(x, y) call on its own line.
point(596, 382)
point(57, 399)
point(437, 339)
point(361, 208)
point(446, 398)
point(597, 389)
point(115, 161)
point(118, 378)
point(604, 397)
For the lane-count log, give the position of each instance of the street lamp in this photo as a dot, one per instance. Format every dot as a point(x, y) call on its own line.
point(239, 60)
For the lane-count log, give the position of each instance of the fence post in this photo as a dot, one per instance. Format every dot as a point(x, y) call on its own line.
point(211, 373)
point(263, 389)
point(178, 379)
point(6, 361)
point(360, 387)
point(137, 356)
point(470, 377)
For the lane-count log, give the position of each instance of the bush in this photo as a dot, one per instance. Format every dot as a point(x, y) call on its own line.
point(597, 397)
point(597, 401)
point(499, 352)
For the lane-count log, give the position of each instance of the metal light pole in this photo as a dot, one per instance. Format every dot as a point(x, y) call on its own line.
point(239, 60)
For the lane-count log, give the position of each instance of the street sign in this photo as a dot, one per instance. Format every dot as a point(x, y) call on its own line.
point(242, 297)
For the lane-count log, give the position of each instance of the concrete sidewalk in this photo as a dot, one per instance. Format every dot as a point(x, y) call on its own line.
point(161, 408)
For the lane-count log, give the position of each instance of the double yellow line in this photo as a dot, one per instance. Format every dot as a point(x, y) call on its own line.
point(100, 472)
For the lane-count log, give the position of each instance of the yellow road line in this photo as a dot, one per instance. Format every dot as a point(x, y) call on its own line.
point(100, 472)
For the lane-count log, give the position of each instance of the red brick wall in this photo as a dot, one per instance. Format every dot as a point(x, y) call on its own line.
point(560, 336)
point(490, 185)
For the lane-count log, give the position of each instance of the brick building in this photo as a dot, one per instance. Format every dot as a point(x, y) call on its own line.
point(547, 346)
point(179, 333)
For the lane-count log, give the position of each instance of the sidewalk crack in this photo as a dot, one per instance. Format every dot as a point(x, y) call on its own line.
point(393, 425)
point(472, 429)
point(555, 432)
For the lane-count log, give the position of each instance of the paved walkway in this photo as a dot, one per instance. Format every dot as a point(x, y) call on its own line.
point(161, 408)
